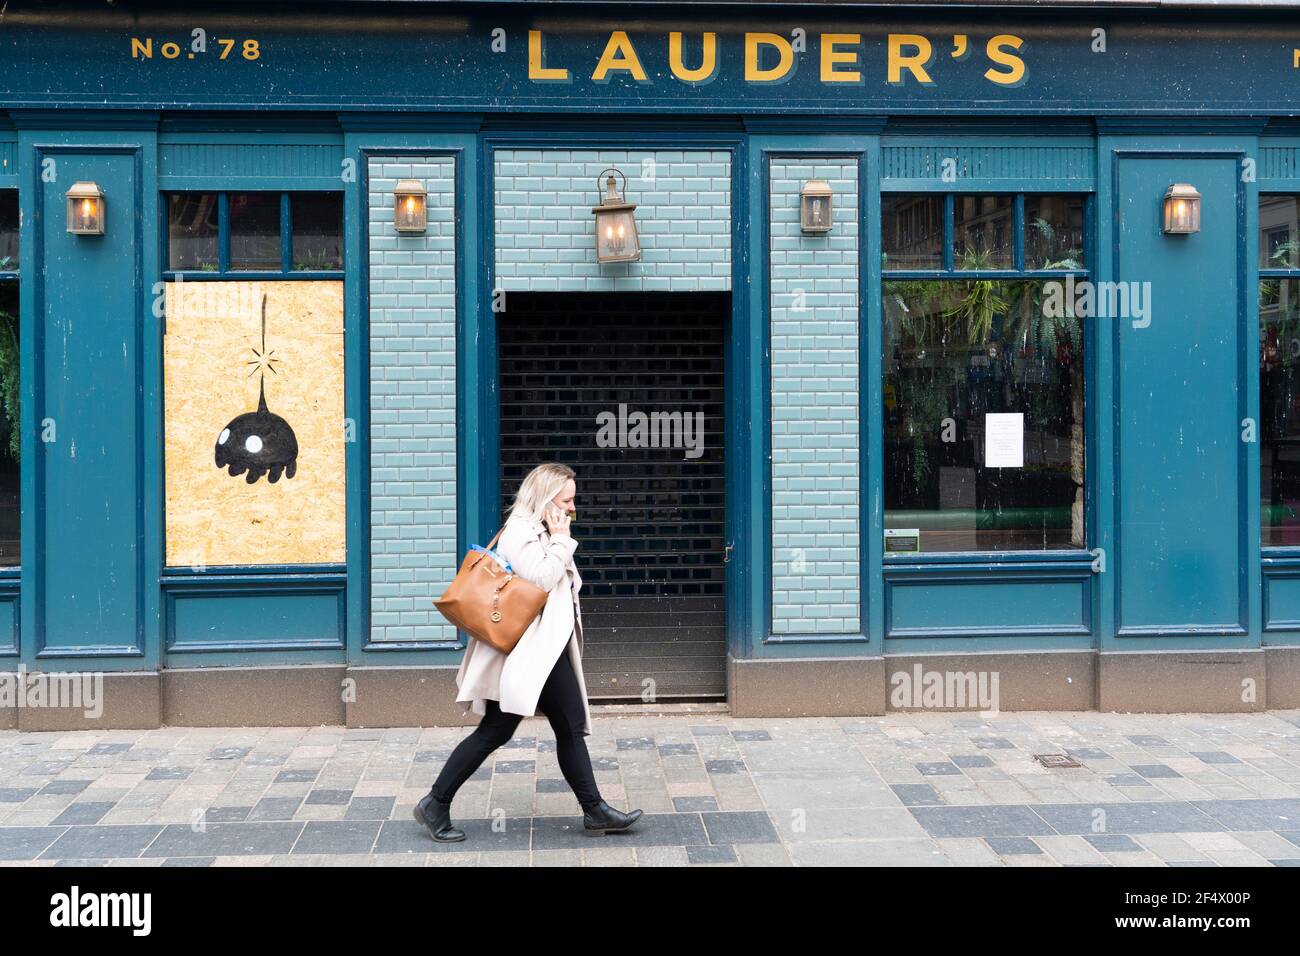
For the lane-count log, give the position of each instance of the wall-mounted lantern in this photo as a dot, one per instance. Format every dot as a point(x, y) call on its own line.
point(86, 210)
point(815, 206)
point(616, 238)
point(1182, 210)
point(411, 210)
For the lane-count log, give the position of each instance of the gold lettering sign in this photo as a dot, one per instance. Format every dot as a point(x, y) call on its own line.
point(773, 58)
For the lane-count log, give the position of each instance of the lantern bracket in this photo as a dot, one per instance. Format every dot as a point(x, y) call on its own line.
point(611, 199)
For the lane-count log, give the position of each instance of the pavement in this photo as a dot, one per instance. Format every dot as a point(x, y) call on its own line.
point(909, 789)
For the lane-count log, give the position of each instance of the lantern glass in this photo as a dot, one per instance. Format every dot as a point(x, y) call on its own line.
point(815, 206)
point(86, 209)
point(411, 209)
point(1182, 210)
point(616, 238)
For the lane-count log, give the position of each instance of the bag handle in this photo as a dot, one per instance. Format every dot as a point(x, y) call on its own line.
point(488, 547)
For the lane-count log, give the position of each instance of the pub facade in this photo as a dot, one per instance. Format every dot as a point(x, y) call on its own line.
point(908, 358)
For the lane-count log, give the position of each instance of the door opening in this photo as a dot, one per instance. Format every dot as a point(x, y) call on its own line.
point(596, 381)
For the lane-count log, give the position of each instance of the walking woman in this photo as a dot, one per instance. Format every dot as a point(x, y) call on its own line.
point(542, 672)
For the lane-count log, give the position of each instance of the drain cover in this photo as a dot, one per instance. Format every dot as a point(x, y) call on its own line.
point(1057, 761)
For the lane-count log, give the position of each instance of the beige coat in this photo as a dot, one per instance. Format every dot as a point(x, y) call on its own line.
point(515, 680)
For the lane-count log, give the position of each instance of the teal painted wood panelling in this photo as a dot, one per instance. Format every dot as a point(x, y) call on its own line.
point(1279, 163)
point(8, 158)
point(9, 622)
point(986, 166)
point(433, 57)
point(281, 616)
point(977, 605)
point(1281, 601)
point(1181, 482)
point(255, 165)
point(87, 571)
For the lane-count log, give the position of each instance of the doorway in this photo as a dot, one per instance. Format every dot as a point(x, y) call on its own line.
point(627, 388)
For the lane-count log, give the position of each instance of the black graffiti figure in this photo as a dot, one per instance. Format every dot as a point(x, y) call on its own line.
point(261, 442)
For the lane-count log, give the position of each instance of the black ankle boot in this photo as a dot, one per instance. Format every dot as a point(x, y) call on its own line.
point(436, 817)
point(602, 818)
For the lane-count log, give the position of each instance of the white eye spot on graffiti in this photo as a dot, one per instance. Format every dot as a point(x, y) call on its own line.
point(224, 436)
point(252, 444)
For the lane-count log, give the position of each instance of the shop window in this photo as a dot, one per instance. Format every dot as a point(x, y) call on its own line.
point(269, 233)
point(10, 429)
point(1054, 232)
point(982, 232)
point(8, 230)
point(983, 376)
point(255, 232)
point(1279, 370)
point(913, 231)
point(317, 231)
point(192, 231)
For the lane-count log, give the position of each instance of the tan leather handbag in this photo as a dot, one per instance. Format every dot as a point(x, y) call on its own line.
point(492, 603)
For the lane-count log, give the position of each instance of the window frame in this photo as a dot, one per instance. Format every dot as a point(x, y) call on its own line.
point(11, 279)
point(1086, 552)
point(12, 275)
point(224, 270)
point(1265, 273)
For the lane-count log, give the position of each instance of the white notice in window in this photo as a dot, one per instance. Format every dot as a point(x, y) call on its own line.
point(1004, 440)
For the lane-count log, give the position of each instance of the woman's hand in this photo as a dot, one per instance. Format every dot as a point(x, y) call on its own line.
point(557, 521)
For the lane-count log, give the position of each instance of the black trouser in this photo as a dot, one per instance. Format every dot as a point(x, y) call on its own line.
point(561, 702)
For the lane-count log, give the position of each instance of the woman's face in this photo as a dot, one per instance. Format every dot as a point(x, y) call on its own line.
point(564, 499)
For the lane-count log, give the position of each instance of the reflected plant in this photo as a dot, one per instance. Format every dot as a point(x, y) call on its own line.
point(927, 397)
point(9, 371)
point(1284, 324)
point(1285, 255)
point(926, 322)
point(917, 334)
point(902, 321)
point(1073, 258)
point(316, 260)
point(979, 300)
point(1029, 324)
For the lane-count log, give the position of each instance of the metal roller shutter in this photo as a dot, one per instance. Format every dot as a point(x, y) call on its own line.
point(650, 520)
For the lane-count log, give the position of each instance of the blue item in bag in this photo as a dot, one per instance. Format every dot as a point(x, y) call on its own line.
point(494, 556)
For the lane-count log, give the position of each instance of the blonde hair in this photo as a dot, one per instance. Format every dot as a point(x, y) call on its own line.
point(538, 488)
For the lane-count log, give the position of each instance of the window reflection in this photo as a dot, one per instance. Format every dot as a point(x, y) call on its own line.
point(1279, 372)
point(8, 230)
point(912, 230)
point(956, 351)
point(1279, 237)
point(10, 430)
point(1054, 232)
point(255, 231)
point(192, 231)
point(983, 232)
point(317, 230)
point(1279, 411)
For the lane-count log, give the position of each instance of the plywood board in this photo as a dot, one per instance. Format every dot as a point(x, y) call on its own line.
point(215, 366)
